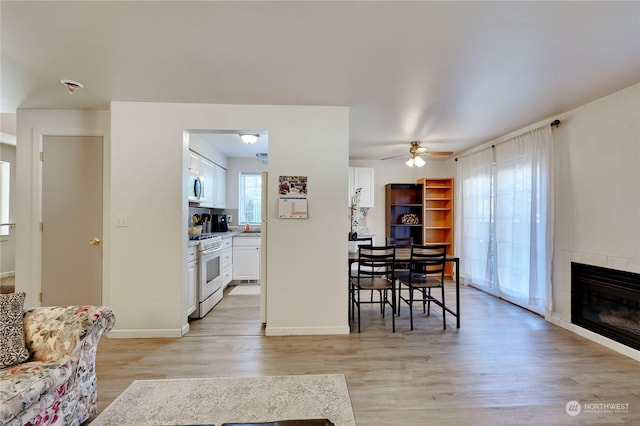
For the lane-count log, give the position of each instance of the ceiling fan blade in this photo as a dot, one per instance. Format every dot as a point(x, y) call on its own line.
point(441, 153)
point(395, 156)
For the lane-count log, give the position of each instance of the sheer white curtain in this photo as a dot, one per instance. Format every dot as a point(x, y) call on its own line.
point(504, 219)
point(524, 218)
point(473, 207)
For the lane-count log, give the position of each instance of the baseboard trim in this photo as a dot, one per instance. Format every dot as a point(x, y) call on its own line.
point(305, 331)
point(595, 337)
point(145, 333)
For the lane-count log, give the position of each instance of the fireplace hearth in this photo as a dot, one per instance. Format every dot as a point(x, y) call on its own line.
point(607, 302)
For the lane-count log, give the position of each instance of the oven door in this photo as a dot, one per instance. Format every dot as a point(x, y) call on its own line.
point(210, 274)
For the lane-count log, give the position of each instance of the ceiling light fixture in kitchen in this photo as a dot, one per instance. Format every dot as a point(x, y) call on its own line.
point(249, 138)
point(72, 85)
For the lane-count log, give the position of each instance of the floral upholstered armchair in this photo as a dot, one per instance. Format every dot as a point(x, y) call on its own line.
point(56, 385)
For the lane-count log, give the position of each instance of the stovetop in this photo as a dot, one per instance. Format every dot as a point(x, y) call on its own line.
point(198, 237)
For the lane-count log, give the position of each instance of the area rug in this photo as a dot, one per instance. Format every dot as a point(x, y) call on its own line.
point(219, 400)
point(243, 289)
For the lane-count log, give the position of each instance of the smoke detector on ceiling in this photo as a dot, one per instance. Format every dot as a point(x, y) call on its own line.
point(72, 85)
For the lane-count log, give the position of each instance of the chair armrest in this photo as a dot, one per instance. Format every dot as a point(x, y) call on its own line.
point(53, 333)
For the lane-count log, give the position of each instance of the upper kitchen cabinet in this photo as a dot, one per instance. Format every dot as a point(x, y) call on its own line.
point(220, 193)
point(213, 178)
point(194, 164)
point(362, 177)
point(208, 182)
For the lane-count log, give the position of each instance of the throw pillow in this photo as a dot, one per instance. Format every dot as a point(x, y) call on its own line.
point(14, 350)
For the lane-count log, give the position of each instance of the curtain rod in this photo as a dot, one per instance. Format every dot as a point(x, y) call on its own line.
point(555, 123)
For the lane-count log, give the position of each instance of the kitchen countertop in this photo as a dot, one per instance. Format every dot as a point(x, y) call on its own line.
point(228, 234)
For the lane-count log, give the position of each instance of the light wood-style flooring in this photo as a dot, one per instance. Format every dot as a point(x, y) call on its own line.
point(504, 365)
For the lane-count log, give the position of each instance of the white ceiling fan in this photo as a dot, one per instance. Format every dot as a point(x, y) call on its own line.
point(415, 153)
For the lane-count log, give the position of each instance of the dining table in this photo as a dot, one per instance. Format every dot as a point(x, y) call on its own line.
point(403, 256)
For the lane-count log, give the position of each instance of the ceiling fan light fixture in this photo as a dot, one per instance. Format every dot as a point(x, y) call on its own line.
point(415, 160)
point(249, 138)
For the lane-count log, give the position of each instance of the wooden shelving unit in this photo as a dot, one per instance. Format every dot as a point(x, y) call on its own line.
point(401, 199)
point(438, 214)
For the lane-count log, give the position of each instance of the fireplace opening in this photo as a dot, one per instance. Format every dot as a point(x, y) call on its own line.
point(607, 302)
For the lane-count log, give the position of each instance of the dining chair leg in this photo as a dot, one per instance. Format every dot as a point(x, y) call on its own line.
point(393, 307)
point(399, 296)
point(444, 317)
point(411, 306)
point(357, 305)
point(351, 303)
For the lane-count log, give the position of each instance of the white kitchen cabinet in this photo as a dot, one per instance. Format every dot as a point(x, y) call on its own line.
point(246, 258)
point(226, 261)
point(362, 177)
point(208, 176)
point(220, 191)
point(192, 281)
point(214, 180)
point(194, 164)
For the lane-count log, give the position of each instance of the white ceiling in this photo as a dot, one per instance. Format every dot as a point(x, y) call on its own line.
point(450, 74)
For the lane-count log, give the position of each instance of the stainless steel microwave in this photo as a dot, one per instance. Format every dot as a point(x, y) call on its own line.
point(196, 193)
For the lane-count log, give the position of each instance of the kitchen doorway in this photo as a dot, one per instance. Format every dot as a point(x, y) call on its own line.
point(71, 227)
point(239, 158)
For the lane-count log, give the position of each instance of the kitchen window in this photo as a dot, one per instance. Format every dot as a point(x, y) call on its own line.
point(250, 198)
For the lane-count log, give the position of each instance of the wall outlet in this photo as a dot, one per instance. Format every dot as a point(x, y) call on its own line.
point(122, 220)
point(229, 219)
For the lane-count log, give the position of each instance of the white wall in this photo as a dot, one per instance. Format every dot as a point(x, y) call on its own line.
point(306, 268)
point(31, 126)
point(394, 171)
point(8, 242)
point(597, 196)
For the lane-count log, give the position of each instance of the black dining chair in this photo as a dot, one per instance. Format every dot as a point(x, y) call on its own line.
point(353, 272)
point(425, 273)
point(361, 241)
point(400, 242)
point(376, 265)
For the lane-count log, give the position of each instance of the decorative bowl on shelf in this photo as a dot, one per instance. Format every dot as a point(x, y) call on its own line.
point(409, 219)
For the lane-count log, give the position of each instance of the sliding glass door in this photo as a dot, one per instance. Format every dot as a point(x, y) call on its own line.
point(506, 219)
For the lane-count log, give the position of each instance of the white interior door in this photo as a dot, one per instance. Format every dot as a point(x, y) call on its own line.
point(72, 220)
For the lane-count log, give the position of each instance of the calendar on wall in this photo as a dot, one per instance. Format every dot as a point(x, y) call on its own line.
point(292, 193)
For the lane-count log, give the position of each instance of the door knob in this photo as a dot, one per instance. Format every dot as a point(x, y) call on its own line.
point(95, 241)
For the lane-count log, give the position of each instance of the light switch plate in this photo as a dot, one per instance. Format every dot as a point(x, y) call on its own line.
point(229, 219)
